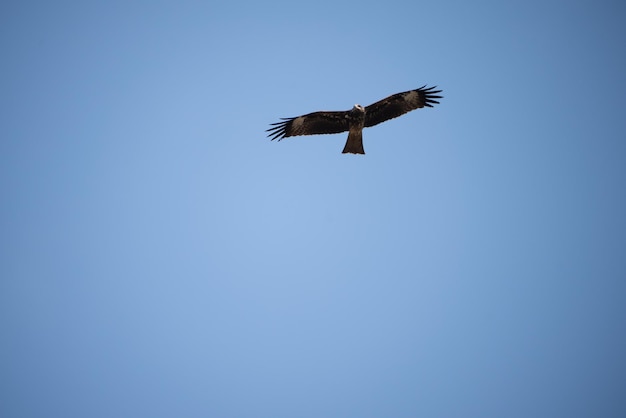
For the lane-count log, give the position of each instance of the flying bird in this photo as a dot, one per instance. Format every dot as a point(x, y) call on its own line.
point(354, 120)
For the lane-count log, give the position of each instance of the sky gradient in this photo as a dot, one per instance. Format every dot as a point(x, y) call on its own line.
point(160, 257)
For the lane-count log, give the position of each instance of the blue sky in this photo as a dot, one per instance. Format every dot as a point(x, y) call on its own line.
point(160, 257)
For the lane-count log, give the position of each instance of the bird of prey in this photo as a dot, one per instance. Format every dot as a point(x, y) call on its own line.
point(354, 120)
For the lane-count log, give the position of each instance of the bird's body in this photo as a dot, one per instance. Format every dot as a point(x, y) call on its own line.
point(356, 119)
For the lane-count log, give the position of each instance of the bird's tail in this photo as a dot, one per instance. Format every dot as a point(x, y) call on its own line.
point(354, 144)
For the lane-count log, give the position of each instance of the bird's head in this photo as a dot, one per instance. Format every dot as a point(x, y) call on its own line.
point(358, 109)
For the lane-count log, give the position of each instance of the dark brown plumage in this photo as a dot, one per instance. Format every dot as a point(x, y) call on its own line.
point(356, 119)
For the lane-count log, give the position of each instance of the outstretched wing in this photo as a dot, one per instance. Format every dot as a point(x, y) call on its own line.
point(399, 104)
point(311, 124)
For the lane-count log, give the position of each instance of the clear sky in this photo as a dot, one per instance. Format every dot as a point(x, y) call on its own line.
point(160, 257)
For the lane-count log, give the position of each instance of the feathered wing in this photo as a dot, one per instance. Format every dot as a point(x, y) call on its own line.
point(399, 104)
point(310, 124)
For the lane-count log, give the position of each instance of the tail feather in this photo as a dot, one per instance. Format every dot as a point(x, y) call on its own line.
point(354, 144)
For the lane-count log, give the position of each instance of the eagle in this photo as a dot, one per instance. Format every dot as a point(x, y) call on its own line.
point(354, 120)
